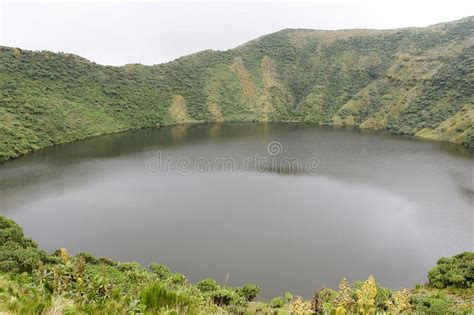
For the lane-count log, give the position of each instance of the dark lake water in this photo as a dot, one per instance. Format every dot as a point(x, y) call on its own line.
point(286, 206)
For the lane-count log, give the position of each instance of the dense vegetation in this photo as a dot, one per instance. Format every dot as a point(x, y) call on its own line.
point(34, 282)
point(416, 81)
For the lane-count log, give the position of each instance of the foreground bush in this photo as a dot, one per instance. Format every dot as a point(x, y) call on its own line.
point(34, 282)
point(225, 297)
point(456, 271)
point(248, 291)
point(277, 302)
point(157, 297)
point(20, 296)
point(208, 285)
point(17, 253)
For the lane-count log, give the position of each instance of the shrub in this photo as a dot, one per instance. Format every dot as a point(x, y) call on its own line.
point(248, 291)
point(12, 232)
point(17, 253)
point(88, 258)
point(300, 306)
point(366, 296)
point(327, 294)
point(456, 271)
point(399, 302)
point(15, 258)
point(161, 271)
point(22, 298)
point(63, 255)
point(277, 302)
point(344, 295)
point(435, 304)
point(157, 297)
point(129, 266)
point(383, 295)
point(107, 261)
point(224, 297)
point(177, 279)
point(207, 285)
point(317, 302)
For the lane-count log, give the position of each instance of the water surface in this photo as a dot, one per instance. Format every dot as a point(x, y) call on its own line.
point(366, 204)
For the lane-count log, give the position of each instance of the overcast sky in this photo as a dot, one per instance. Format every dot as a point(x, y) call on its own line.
point(150, 32)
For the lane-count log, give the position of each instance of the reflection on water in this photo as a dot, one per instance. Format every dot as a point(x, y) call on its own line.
point(379, 204)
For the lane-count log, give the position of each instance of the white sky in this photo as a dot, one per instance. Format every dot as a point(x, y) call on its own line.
point(150, 32)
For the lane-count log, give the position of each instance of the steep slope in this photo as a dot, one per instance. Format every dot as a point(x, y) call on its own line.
point(416, 81)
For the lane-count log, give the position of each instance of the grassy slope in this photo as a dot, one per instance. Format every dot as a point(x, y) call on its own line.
point(412, 81)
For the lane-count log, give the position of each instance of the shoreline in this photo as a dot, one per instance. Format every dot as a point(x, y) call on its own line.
point(468, 150)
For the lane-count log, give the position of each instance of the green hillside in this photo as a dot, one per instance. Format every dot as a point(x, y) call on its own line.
point(415, 81)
